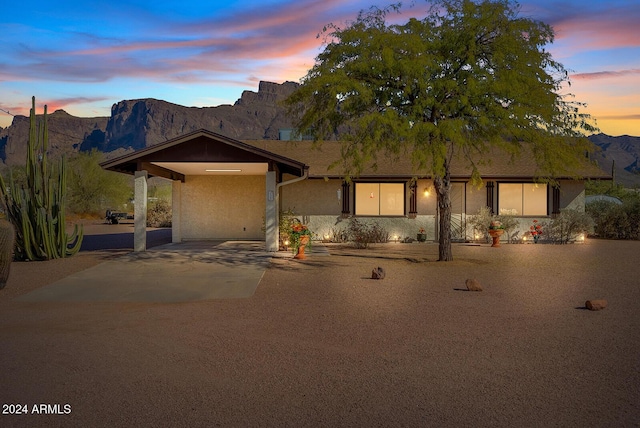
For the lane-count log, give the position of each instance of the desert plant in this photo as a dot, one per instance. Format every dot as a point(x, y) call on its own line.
point(338, 235)
point(37, 209)
point(614, 221)
point(363, 234)
point(480, 222)
point(509, 224)
point(285, 224)
point(91, 189)
point(566, 226)
point(159, 214)
point(7, 242)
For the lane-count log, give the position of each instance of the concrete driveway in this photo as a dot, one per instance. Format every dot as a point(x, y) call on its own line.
point(167, 273)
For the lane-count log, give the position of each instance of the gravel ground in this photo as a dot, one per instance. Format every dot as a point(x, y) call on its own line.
point(322, 344)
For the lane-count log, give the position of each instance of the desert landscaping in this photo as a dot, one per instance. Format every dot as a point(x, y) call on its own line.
point(320, 343)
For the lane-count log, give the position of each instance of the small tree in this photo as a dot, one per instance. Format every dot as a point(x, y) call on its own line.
point(93, 189)
point(37, 208)
point(470, 77)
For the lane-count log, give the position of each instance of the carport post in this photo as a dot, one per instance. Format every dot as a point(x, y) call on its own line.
point(176, 207)
point(140, 212)
point(271, 214)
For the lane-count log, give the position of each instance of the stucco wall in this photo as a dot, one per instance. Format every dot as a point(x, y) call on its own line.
point(223, 207)
point(572, 195)
point(312, 197)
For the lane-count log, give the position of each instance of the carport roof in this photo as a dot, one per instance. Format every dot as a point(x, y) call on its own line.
point(201, 147)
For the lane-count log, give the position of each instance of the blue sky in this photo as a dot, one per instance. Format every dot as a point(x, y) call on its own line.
point(84, 57)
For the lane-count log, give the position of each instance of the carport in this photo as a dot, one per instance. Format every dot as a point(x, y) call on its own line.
point(221, 188)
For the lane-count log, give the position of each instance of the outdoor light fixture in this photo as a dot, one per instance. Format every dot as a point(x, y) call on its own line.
point(223, 170)
point(426, 191)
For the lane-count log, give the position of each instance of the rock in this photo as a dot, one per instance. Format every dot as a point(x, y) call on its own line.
point(377, 273)
point(596, 305)
point(140, 123)
point(473, 285)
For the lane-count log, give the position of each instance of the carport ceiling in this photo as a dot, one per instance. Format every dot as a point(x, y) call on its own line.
point(215, 168)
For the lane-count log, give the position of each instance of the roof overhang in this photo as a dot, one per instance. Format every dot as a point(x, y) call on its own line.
point(203, 153)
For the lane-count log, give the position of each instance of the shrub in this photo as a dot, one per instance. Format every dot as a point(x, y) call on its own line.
point(159, 214)
point(362, 234)
point(614, 221)
point(480, 222)
point(566, 226)
point(338, 235)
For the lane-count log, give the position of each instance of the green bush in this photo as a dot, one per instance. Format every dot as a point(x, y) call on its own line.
point(91, 189)
point(615, 221)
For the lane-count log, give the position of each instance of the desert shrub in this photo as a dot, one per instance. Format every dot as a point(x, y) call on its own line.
point(615, 221)
point(338, 235)
point(566, 226)
point(480, 222)
point(159, 214)
point(510, 225)
point(379, 234)
point(363, 234)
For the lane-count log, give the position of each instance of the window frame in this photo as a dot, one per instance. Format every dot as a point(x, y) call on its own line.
point(522, 197)
point(379, 183)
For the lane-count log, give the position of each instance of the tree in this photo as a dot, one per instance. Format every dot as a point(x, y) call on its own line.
point(471, 77)
point(92, 189)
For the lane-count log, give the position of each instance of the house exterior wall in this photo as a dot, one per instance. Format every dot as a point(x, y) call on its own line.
point(222, 207)
point(317, 205)
point(312, 197)
point(572, 195)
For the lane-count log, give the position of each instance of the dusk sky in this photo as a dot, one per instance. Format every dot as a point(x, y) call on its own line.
point(85, 56)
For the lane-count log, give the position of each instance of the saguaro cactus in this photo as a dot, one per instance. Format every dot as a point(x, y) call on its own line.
point(7, 241)
point(37, 209)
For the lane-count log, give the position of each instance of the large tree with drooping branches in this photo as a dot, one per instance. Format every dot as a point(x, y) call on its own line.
point(469, 78)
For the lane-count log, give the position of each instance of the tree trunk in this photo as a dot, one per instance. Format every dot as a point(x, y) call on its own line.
point(442, 186)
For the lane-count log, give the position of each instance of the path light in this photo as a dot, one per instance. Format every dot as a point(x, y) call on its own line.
point(395, 238)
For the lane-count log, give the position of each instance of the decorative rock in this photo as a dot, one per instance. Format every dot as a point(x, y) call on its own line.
point(596, 305)
point(473, 284)
point(377, 273)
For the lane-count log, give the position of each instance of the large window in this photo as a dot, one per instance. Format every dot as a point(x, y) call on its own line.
point(379, 199)
point(522, 199)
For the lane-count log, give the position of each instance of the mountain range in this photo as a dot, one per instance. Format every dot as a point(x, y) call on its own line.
point(135, 124)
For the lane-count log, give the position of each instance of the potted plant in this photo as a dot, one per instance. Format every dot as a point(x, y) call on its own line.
point(496, 229)
point(422, 235)
point(299, 238)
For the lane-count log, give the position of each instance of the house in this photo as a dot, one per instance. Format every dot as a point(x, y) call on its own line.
point(229, 189)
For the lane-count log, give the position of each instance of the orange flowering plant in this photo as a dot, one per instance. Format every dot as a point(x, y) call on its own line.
point(298, 230)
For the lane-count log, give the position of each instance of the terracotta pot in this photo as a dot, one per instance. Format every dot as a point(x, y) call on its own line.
point(304, 240)
point(496, 234)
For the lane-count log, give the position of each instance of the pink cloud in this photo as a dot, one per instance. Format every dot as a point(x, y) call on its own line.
point(610, 27)
point(606, 74)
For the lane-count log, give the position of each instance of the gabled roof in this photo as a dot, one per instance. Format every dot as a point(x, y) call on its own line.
point(200, 146)
point(499, 164)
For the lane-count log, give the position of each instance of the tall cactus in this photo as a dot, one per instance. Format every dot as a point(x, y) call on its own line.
point(7, 244)
point(37, 209)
